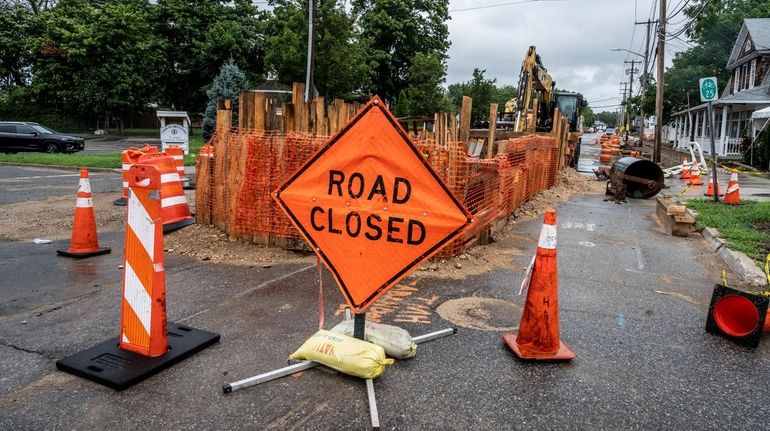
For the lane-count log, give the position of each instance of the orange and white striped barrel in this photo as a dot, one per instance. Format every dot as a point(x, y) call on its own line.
point(174, 208)
point(143, 312)
point(684, 174)
point(733, 194)
point(129, 157)
point(177, 153)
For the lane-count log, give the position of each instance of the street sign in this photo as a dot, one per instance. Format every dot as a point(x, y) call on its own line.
point(709, 91)
point(371, 206)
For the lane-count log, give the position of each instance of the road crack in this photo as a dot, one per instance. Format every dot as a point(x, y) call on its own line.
point(22, 349)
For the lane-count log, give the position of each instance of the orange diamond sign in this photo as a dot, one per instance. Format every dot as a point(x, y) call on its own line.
point(371, 206)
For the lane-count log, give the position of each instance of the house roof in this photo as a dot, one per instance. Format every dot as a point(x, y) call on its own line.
point(759, 30)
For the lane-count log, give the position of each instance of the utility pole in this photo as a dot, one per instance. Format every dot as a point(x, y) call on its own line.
point(643, 76)
point(659, 89)
point(623, 94)
point(309, 85)
point(630, 92)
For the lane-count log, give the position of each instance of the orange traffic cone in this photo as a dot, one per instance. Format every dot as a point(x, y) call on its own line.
point(538, 336)
point(733, 196)
point(84, 241)
point(695, 179)
point(685, 173)
point(175, 210)
point(713, 186)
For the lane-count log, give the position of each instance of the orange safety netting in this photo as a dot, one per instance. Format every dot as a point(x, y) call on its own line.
point(239, 169)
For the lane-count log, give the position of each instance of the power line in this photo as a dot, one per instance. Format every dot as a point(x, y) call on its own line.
point(504, 4)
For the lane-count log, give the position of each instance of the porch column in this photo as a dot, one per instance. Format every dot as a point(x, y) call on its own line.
point(696, 126)
point(690, 128)
point(723, 137)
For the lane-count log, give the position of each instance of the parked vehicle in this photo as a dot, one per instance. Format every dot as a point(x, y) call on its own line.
point(609, 131)
point(25, 136)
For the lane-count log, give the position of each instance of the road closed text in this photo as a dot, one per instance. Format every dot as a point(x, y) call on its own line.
point(373, 227)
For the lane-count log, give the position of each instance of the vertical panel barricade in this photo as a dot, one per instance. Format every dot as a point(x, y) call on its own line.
point(143, 314)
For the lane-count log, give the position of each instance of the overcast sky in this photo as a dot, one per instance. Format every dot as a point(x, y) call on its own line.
point(573, 38)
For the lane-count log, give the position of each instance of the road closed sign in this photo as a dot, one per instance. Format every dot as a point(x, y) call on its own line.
point(709, 91)
point(371, 206)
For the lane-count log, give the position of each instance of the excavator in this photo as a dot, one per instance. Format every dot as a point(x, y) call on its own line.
point(535, 84)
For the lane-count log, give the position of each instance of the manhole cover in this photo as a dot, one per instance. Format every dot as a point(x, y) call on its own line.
point(483, 314)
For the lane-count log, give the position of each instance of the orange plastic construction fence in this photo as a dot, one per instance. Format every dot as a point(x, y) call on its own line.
point(239, 169)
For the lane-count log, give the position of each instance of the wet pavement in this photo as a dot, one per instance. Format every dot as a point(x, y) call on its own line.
point(25, 183)
point(112, 144)
point(633, 304)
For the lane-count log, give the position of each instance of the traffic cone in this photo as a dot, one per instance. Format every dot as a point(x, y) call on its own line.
point(175, 210)
point(738, 315)
point(733, 196)
point(695, 179)
point(84, 242)
point(713, 185)
point(684, 174)
point(538, 336)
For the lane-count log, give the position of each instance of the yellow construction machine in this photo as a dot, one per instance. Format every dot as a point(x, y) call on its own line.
point(535, 106)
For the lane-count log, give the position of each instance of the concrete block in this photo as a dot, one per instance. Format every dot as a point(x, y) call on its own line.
point(711, 236)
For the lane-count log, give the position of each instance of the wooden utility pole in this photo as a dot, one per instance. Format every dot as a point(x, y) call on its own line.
point(646, 66)
point(659, 89)
point(630, 93)
point(309, 86)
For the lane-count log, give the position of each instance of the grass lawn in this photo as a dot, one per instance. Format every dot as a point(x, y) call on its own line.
point(91, 160)
point(746, 226)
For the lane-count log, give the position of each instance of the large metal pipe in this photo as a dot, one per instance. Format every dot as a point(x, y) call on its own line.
point(642, 178)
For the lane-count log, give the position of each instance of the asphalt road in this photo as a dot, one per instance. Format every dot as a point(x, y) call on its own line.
point(23, 183)
point(111, 144)
point(633, 308)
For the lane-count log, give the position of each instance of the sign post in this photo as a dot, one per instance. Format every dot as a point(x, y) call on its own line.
point(709, 91)
point(373, 209)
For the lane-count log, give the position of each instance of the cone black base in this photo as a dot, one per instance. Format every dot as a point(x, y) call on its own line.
point(111, 366)
point(121, 202)
point(170, 227)
point(81, 255)
point(760, 302)
point(563, 354)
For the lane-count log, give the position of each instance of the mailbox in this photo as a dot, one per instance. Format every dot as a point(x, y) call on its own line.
point(174, 129)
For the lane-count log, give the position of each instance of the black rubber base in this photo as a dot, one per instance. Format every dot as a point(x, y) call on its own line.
point(103, 250)
point(111, 366)
point(170, 227)
point(759, 301)
point(121, 202)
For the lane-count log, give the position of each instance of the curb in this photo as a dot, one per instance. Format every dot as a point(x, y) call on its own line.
point(741, 264)
point(74, 168)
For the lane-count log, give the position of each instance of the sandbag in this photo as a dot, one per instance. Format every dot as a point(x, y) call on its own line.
point(345, 354)
point(396, 341)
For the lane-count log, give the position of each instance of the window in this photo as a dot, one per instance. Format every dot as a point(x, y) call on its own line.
point(7, 128)
point(752, 73)
point(736, 79)
point(745, 77)
point(24, 130)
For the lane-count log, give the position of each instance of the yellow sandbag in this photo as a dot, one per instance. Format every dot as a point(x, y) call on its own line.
point(345, 354)
point(396, 341)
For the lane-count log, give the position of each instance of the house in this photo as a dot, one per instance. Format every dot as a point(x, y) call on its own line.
point(747, 90)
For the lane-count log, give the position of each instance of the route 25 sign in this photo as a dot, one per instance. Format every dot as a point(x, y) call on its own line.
point(709, 91)
point(371, 206)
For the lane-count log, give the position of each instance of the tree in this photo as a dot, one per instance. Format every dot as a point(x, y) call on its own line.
point(424, 96)
point(589, 118)
point(608, 118)
point(98, 57)
point(395, 31)
point(340, 65)
point(200, 37)
point(227, 85)
point(504, 94)
point(16, 55)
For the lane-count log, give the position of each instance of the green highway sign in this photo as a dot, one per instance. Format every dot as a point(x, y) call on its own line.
point(709, 91)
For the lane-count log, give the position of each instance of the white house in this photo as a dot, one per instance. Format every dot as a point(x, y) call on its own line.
point(748, 90)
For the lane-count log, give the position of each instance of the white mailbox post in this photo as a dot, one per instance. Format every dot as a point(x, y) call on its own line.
point(174, 129)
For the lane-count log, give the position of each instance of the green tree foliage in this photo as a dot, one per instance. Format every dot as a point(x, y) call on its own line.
point(227, 85)
point(340, 68)
point(200, 37)
point(589, 118)
point(98, 57)
point(395, 31)
point(424, 96)
point(483, 92)
point(608, 118)
point(714, 30)
point(16, 54)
